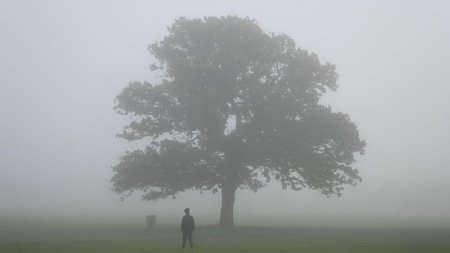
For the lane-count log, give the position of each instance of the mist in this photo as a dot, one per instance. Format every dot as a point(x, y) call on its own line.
point(63, 63)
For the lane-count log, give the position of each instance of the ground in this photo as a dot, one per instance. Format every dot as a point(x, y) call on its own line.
point(102, 237)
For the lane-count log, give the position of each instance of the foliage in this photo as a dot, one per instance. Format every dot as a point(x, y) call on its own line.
point(236, 107)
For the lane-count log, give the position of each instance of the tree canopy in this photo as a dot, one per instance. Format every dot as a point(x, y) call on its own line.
point(236, 107)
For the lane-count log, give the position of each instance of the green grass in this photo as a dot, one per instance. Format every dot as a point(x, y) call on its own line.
point(103, 237)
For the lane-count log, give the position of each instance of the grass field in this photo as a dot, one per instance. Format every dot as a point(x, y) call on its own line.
point(103, 237)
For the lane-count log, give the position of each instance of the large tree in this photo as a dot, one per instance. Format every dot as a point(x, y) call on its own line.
point(236, 107)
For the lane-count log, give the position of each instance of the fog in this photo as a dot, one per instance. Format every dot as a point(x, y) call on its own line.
point(62, 63)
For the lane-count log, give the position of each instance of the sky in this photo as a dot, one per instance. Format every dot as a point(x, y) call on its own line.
point(62, 63)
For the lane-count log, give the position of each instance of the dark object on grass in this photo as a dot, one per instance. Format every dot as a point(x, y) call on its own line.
point(150, 220)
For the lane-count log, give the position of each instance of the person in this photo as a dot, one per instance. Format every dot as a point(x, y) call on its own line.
point(187, 227)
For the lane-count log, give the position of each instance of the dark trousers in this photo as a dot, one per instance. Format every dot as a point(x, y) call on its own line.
point(188, 235)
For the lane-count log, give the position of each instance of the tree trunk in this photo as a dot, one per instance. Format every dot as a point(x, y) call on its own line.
point(230, 183)
point(226, 212)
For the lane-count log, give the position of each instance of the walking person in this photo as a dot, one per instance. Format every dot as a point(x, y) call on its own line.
point(187, 227)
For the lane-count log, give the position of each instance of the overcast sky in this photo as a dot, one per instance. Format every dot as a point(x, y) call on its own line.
point(63, 62)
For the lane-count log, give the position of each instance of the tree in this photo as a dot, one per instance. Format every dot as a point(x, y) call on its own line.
point(236, 108)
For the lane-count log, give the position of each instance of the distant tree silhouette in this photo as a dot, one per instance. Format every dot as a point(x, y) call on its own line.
point(236, 107)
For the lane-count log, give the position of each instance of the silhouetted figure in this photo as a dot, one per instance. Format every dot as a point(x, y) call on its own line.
point(187, 227)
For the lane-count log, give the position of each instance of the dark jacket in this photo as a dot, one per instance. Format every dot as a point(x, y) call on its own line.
point(187, 224)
